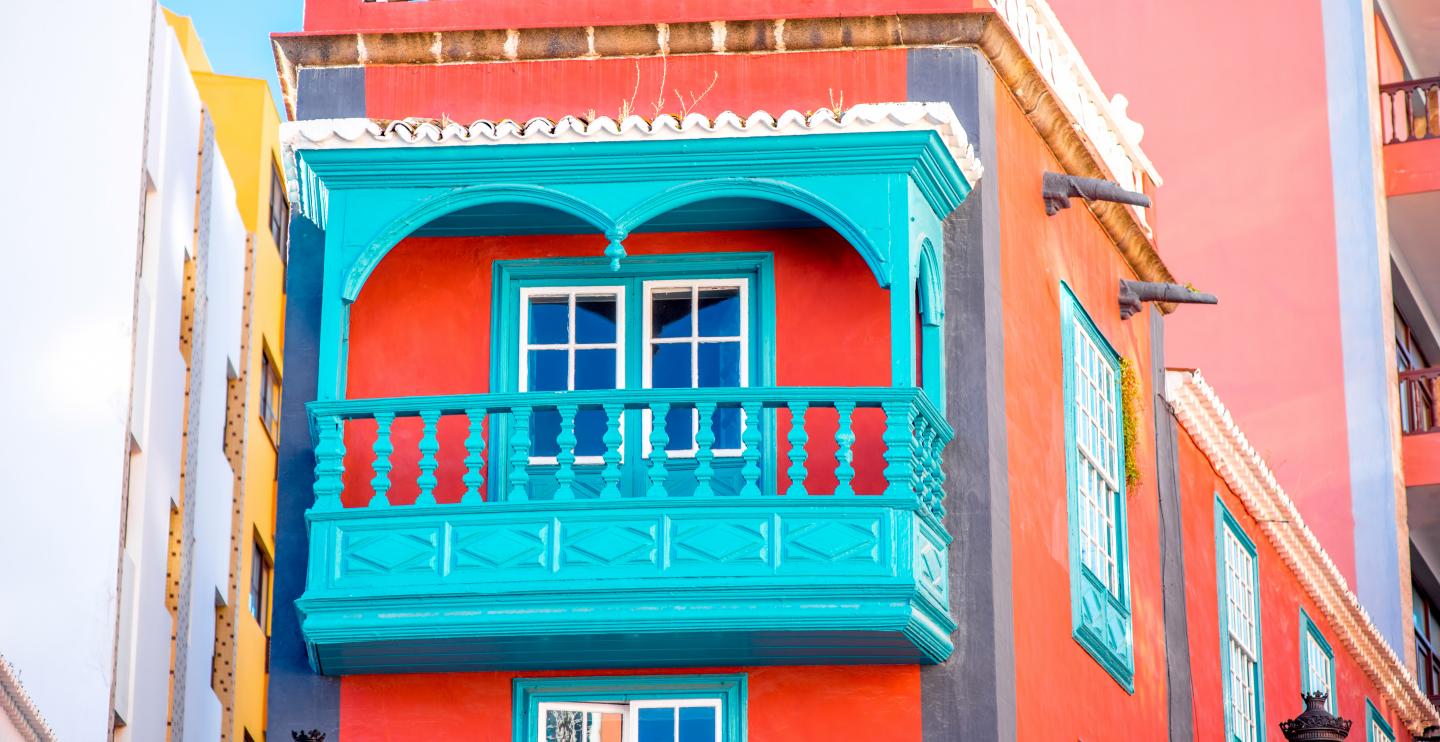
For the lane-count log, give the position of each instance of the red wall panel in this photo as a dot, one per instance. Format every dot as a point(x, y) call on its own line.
point(743, 82)
point(837, 704)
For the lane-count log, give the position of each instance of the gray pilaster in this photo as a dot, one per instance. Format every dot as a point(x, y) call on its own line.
point(1172, 547)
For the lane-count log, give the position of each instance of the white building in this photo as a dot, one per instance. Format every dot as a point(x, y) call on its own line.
point(121, 281)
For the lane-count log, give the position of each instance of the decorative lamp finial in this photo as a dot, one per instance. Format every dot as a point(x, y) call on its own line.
point(314, 735)
point(1315, 723)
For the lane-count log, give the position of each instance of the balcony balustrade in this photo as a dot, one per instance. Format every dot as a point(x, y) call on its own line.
point(1410, 110)
point(642, 527)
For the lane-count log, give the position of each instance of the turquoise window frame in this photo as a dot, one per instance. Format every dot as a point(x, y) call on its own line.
point(528, 693)
point(1100, 619)
point(1309, 631)
point(1225, 522)
point(510, 276)
point(1374, 718)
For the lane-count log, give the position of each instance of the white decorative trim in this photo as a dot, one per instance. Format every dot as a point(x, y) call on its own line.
point(17, 705)
point(1115, 137)
point(1203, 415)
point(872, 117)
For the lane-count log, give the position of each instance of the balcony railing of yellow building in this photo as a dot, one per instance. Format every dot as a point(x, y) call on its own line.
point(1410, 110)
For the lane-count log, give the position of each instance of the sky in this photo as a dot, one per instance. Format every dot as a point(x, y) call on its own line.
point(237, 35)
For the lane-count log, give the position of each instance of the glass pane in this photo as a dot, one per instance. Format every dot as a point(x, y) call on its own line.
point(670, 366)
point(548, 370)
point(720, 312)
point(727, 428)
point(544, 429)
point(584, 726)
point(719, 364)
point(590, 432)
point(680, 430)
point(595, 319)
point(549, 319)
point(670, 314)
point(656, 725)
point(697, 724)
point(595, 369)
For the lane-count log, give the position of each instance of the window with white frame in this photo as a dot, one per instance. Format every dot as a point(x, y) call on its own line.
point(571, 339)
point(668, 720)
point(1239, 613)
point(1376, 728)
point(696, 336)
point(1317, 661)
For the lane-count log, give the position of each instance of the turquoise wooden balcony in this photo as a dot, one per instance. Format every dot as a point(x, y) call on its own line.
point(564, 529)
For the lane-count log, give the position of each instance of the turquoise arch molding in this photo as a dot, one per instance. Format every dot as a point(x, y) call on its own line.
point(884, 192)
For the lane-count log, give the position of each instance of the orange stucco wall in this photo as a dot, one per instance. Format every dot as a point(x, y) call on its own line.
point(421, 325)
point(785, 704)
point(1281, 598)
point(1058, 685)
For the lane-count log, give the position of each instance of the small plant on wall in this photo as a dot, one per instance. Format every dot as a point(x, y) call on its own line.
point(1129, 399)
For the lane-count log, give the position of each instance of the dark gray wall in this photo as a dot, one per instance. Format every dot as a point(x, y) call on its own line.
point(1172, 546)
point(971, 696)
point(330, 93)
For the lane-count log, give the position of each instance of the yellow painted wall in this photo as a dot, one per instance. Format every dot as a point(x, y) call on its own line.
point(247, 131)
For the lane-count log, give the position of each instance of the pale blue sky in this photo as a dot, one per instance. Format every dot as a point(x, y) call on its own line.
point(237, 35)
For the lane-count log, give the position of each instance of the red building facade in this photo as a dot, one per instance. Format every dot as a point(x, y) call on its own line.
point(964, 508)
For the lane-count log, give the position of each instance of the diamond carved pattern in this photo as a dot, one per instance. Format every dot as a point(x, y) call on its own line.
point(931, 570)
point(395, 552)
point(721, 542)
point(833, 541)
point(499, 547)
point(608, 544)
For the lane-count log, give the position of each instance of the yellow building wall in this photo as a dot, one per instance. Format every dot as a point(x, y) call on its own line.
point(247, 131)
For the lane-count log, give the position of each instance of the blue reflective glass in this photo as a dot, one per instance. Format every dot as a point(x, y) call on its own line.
point(549, 320)
point(595, 369)
point(670, 366)
point(656, 725)
point(548, 370)
point(544, 429)
point(594, 319)
point(727, 427)
point(719, 364)
point(719, 312)
point(697, 724)
point(680, 428)
point(590, 432)
point(670, 314)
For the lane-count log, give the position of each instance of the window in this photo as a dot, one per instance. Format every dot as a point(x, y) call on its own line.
point(666, 708)
point(269, 397)
point(1317, 661)
point(279, 213)
point(259, 584)
point(1427, 633)
point(1376, 728)
point(1100, 573)
point(695, 338)
point(569, 340)
point(1237, 575)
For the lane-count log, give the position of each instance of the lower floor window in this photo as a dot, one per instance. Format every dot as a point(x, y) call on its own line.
point(659, 708)
point(683, 720)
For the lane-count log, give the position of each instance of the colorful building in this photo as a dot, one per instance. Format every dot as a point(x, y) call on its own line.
point(696, 371)
point(148, 316)
point(247, 130)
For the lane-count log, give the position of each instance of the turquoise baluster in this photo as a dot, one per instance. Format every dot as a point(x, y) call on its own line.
point(920, 470)
point(937, 472)
point(429, 446)
point(329, 463)
point(898, 461)
point(565, 475)
point(659, 438)
point(474, 477)
point(844, 448)
point(798, 438)
point(752, 439)
point(704, 448)
point(383, 448)
point(610, 475)
point(520, 454)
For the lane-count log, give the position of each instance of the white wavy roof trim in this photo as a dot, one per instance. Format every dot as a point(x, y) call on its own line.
point(366, 133)
point(1205, 417)
point(17, 705)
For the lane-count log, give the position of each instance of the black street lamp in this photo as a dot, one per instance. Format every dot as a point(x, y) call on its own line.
point(314, 735)
point(1315, 723)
